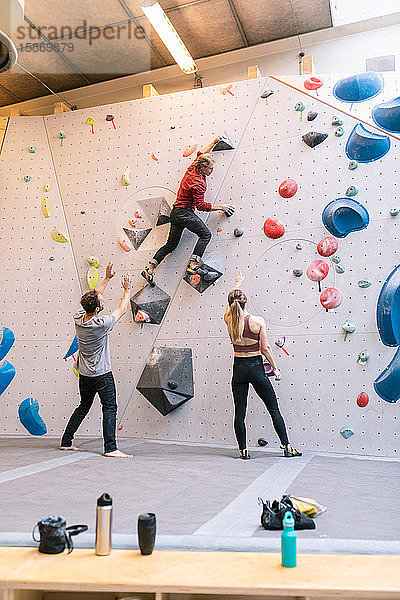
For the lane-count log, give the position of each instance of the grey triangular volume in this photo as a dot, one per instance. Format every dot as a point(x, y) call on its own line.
point(224, 143)
point(151, 300)
point(199, 282)
point(313, 138)
point(136, 236)
point(164, 213)
point(151, 207)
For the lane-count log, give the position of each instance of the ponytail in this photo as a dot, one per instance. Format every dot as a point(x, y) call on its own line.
point(237, 301)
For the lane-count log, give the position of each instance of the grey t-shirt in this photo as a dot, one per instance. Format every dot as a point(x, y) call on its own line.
point(94, 352)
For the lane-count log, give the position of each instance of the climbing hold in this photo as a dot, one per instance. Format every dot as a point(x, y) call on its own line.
point(83, 212)
point(327, 246)
point(126, 177)
point(262, 442)
point(364, 283)
point(344, 215)
point(362, 399)
point(58, 236)
point(195, 280)
point(28, 412)
point(348, 327)
point(224, 143)
point(288, 188)
point(47, 187)
point(75, 370)
point(387, 115)
point(313, 83)
point(137, 236)
point(213, 268)
point(353, 164)
point(336, 259)
point(167, 369)
point(298, 272)
point(346, 432)
point(238, 232)
point(190, 148)
point(317, 270)
point(273, 228)
point(93, 261)
point(123, 244)
point(331, 298)
point(313, 138)
point(219, 229)
point(363, 356)
point(32, 149)
point(111, 118)
point(267, 93)
point(151, 300)
point(92, 277)
point(280, 342)
point(141, 317)
point(336, 122)
point(27, 178)
point(172, 127)
point(91, 121)
point(164, 213)
point(74, 347)
point(226, 89)
point(299, 246)
point(7, 374)
point(352, 190)
point(358, 88)
point(52, 258)
point(62, 137)
point(300, 107)
point(340, 268)
point(132, 223)
point(311, 115)
point(6, 342)
point(365, 145)
point(394, 211)
point(339, 132)
point(137, 215)
point(154, 157)
point(45, 208)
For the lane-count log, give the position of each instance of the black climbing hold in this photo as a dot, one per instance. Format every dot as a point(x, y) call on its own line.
point(267, 93)
point(237, 232)
point(313, 138)
point(136, 236)
point(150, 300)
point(312, 115)
point(166, 366)
point(164, 213)
point(298, 272)
point(262, 442)
point(224, 143)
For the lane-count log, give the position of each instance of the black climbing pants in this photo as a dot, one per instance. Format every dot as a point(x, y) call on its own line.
point(181, 218)
point(251, 370)
point(103, 385)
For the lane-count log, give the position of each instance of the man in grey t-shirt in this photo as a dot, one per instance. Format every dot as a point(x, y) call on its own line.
point(94, 364)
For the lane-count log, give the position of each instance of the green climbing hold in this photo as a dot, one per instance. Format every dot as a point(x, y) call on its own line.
point(340, 268)
point(52, 258)
point(339, 132)
point(32, 149)
point(352, 190)
point(364, 283)
point(336, 121)
point(347, 432)
point(299, 246)
point(353, 164)
point(27, 178)
point(300, 106)
point(336, 259)
point(363, 356)
point(394, 211)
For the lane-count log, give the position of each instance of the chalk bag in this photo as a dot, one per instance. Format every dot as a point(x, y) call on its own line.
point(55, 536)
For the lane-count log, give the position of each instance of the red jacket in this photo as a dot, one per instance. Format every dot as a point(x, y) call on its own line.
point(192, 189)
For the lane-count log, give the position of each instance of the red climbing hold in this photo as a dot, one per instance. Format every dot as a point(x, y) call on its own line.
point(288, 188)
point(362, 399)
point(327, 246)
point(195, 279)
point(318, 270)
point(331, 298)
point(313, 83)
point(273, 228)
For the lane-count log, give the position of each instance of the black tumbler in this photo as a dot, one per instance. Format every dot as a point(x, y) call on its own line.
point(147, 532)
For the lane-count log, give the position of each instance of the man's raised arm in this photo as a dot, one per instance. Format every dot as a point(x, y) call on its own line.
point(109, 274)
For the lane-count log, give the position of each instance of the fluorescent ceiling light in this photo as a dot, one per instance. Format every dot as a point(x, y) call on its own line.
point(352, 11)
point(168, 35)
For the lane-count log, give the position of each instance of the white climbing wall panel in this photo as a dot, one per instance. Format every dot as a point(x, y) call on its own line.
point(321, 378)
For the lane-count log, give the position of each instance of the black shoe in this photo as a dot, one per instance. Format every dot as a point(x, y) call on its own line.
point(290, 452)
point(244, 454)
point(198, 270)
point(148, 277)
point(210, 276)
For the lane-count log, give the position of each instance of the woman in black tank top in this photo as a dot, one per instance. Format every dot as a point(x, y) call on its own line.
point(249, 345)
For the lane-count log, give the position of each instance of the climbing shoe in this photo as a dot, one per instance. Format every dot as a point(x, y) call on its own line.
point(290, 452)
point(273, 514)
point(244, 454)
point(148, 277)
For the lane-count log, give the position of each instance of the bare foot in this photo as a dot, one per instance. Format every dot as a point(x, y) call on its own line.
point(69, 448)
point(118, 454)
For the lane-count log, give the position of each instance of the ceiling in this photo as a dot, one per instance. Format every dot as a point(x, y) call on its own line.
point(76, 43)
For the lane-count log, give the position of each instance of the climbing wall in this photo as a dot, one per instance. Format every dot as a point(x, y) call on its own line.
point(321, 377)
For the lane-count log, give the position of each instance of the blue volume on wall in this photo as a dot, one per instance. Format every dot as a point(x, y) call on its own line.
point(28, 412)
point(364, 145)
point(358, 88)
point(387, 115)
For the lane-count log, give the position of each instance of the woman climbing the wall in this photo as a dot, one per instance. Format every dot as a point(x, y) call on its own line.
point(249, 338)
point(190, 196)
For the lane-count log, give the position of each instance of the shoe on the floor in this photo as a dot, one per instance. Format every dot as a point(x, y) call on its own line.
point(291, 452)
point(244, 454)
point(148, 277)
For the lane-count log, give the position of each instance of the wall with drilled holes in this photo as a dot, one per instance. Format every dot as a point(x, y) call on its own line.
point(321, 377)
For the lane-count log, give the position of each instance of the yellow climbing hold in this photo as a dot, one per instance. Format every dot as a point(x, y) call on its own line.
point(47, 187)
point(45, 208)
point(75, 370)
point(92, 277)
point(126, 177)
point(93, 261)
point(58, 236)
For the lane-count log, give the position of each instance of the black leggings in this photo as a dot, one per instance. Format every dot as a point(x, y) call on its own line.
point(251, 370)
point(181, 218)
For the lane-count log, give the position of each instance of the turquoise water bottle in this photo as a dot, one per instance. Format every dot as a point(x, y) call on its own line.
point(288, 541)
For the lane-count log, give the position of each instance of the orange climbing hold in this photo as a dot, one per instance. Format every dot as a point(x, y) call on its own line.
point(154, 157)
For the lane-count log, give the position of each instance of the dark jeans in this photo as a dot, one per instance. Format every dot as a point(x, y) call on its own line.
point(251, 370)
point(103, 385)
point(182, 218)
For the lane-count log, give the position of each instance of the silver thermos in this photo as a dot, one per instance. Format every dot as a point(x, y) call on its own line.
point(103, 525)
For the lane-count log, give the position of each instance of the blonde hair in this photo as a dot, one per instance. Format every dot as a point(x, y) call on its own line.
point(237, 300)
point(204, 161)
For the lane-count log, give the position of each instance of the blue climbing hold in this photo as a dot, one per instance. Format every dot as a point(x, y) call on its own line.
point(28, 412)
point(365, 146)
point(7, 374)
point(388, 310)
point(387, 115)
point(347, 432)
point(344, 215)
point(74, 347)
point(352, 190)
point(7, 340)
point(358, 88)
